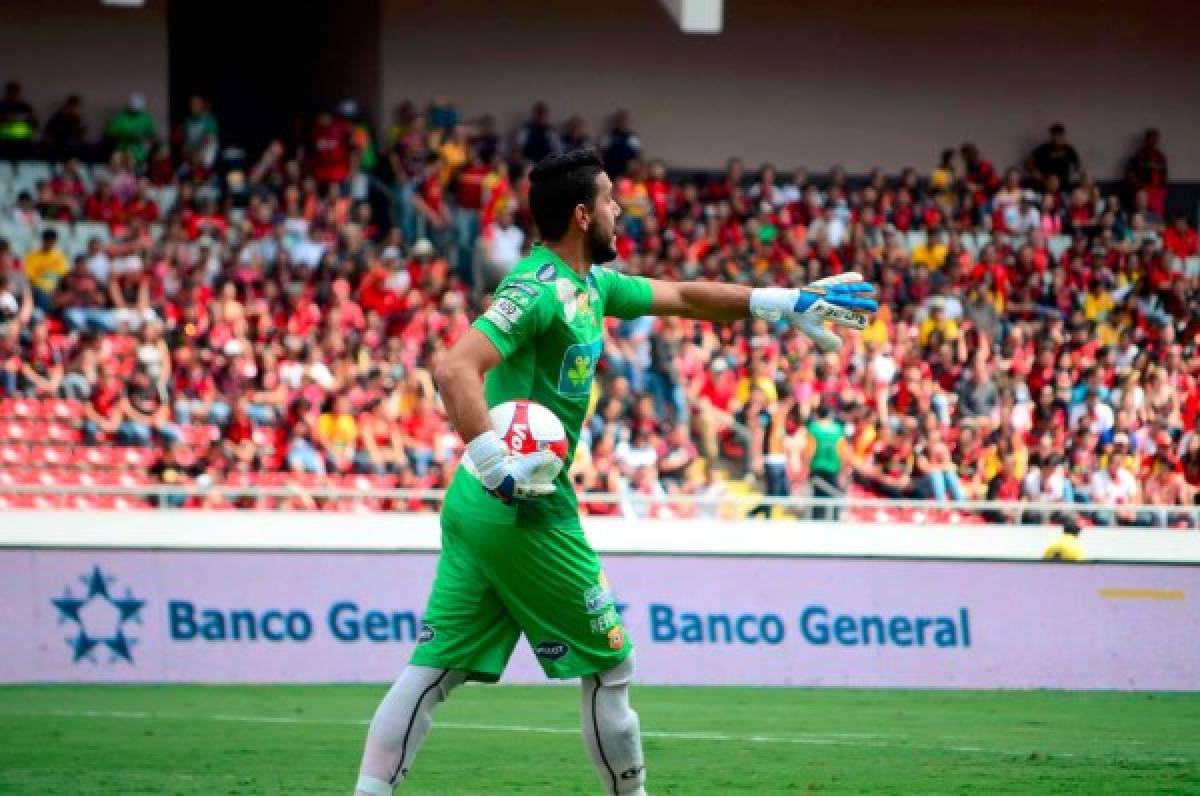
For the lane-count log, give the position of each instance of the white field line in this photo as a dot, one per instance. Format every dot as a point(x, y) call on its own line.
point(859, 740)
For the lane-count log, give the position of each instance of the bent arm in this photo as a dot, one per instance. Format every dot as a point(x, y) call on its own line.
point(460, 381)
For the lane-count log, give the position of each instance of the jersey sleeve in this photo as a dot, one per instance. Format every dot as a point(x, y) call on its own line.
point(521, 309)
point(624, 296)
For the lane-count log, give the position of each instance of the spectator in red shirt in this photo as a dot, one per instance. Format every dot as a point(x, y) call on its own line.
point(140, 205)
point(1180, 239)
point(104, 206)
point(332, 149)
point(1147, 171)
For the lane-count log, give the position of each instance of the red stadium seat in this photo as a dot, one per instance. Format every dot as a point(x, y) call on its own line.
point(17, 501)
point(104, 456)
point(63, 411)
point(136, 458)
point(13, 455)
point(61, 432)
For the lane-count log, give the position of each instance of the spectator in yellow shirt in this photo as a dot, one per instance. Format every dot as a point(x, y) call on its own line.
point(877, 332)
point(938, 321)
point(44, 267)
point(757, 377)
point(1098, 303)
point(337, 430)
point(931, 254)
point(1066, 547)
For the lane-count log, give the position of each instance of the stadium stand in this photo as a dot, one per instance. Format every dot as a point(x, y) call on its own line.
point(181, 313)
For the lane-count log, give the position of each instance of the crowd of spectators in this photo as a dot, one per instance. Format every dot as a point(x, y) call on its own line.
point(1037, 338)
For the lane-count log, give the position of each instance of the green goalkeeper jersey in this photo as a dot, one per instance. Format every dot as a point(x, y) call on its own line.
point(547, 322)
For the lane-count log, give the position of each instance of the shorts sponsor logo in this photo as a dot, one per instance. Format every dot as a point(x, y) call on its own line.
point(551, 650)
point(546, 273)
point(632, 773)
point(616, 638)
point(605, 622)
point(426, 635)
point(597, 598)
point(504, 313)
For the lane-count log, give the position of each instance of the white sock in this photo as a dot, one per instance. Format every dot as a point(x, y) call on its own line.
point(611, 731)
point(399, 726)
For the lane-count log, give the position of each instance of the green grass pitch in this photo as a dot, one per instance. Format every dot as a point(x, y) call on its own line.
point(191, 740)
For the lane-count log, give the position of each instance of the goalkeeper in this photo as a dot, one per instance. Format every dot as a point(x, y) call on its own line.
point(514, 558)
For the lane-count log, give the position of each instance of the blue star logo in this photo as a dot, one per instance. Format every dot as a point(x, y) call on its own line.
point(99, 618)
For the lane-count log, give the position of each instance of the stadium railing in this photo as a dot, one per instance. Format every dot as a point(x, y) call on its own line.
point(156, 496)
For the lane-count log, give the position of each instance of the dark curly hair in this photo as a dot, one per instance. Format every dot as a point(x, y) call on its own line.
point(558, 184)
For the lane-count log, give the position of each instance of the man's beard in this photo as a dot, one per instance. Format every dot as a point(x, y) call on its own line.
point(600, 247)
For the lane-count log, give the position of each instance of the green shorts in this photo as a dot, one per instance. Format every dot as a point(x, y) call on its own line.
point(496, 582)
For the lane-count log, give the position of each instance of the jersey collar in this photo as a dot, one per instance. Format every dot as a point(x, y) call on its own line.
point(560, 266)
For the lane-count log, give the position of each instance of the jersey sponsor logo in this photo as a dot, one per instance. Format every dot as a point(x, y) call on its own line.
point(551, 650)
point(616, 638)
point(578, 368)
point(522, 287)
point(546, 273)
point(504, 313)
point(426, 635)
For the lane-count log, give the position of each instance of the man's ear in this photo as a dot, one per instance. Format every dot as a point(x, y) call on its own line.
point(582, 216)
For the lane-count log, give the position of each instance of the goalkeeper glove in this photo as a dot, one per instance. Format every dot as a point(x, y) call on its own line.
point(509, 476)
point(843, 299)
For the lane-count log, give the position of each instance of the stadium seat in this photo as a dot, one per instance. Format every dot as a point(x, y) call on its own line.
point(164, 197)
point(63, 410)
point(13, 455)
point(20, 237)
point(87, 230)
point(136, 458)
point(62, 432)
point(1057, 244)
point(17, 502)
point(103, 456)
point(33, 170)
point(16, 430)
point(18, 408)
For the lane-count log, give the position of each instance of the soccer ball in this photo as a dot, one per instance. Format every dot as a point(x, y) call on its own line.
point(526, 427)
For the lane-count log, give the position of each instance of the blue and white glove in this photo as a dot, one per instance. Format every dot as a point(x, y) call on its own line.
point(843, 299)
point(507, 476)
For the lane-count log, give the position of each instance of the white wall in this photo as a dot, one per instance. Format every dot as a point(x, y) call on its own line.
point(104, 54)
point(873, 82)
point(202, 530)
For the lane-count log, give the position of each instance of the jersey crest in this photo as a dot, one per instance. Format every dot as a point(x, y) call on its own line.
point(579, 367)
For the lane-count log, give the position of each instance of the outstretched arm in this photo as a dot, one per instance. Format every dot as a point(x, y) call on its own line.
point(703, 301)
point(843, 299)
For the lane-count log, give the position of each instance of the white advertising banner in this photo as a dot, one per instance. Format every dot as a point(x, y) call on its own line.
point(292, 616)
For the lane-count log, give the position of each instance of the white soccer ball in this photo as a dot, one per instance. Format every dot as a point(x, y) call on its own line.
point(525, 427)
